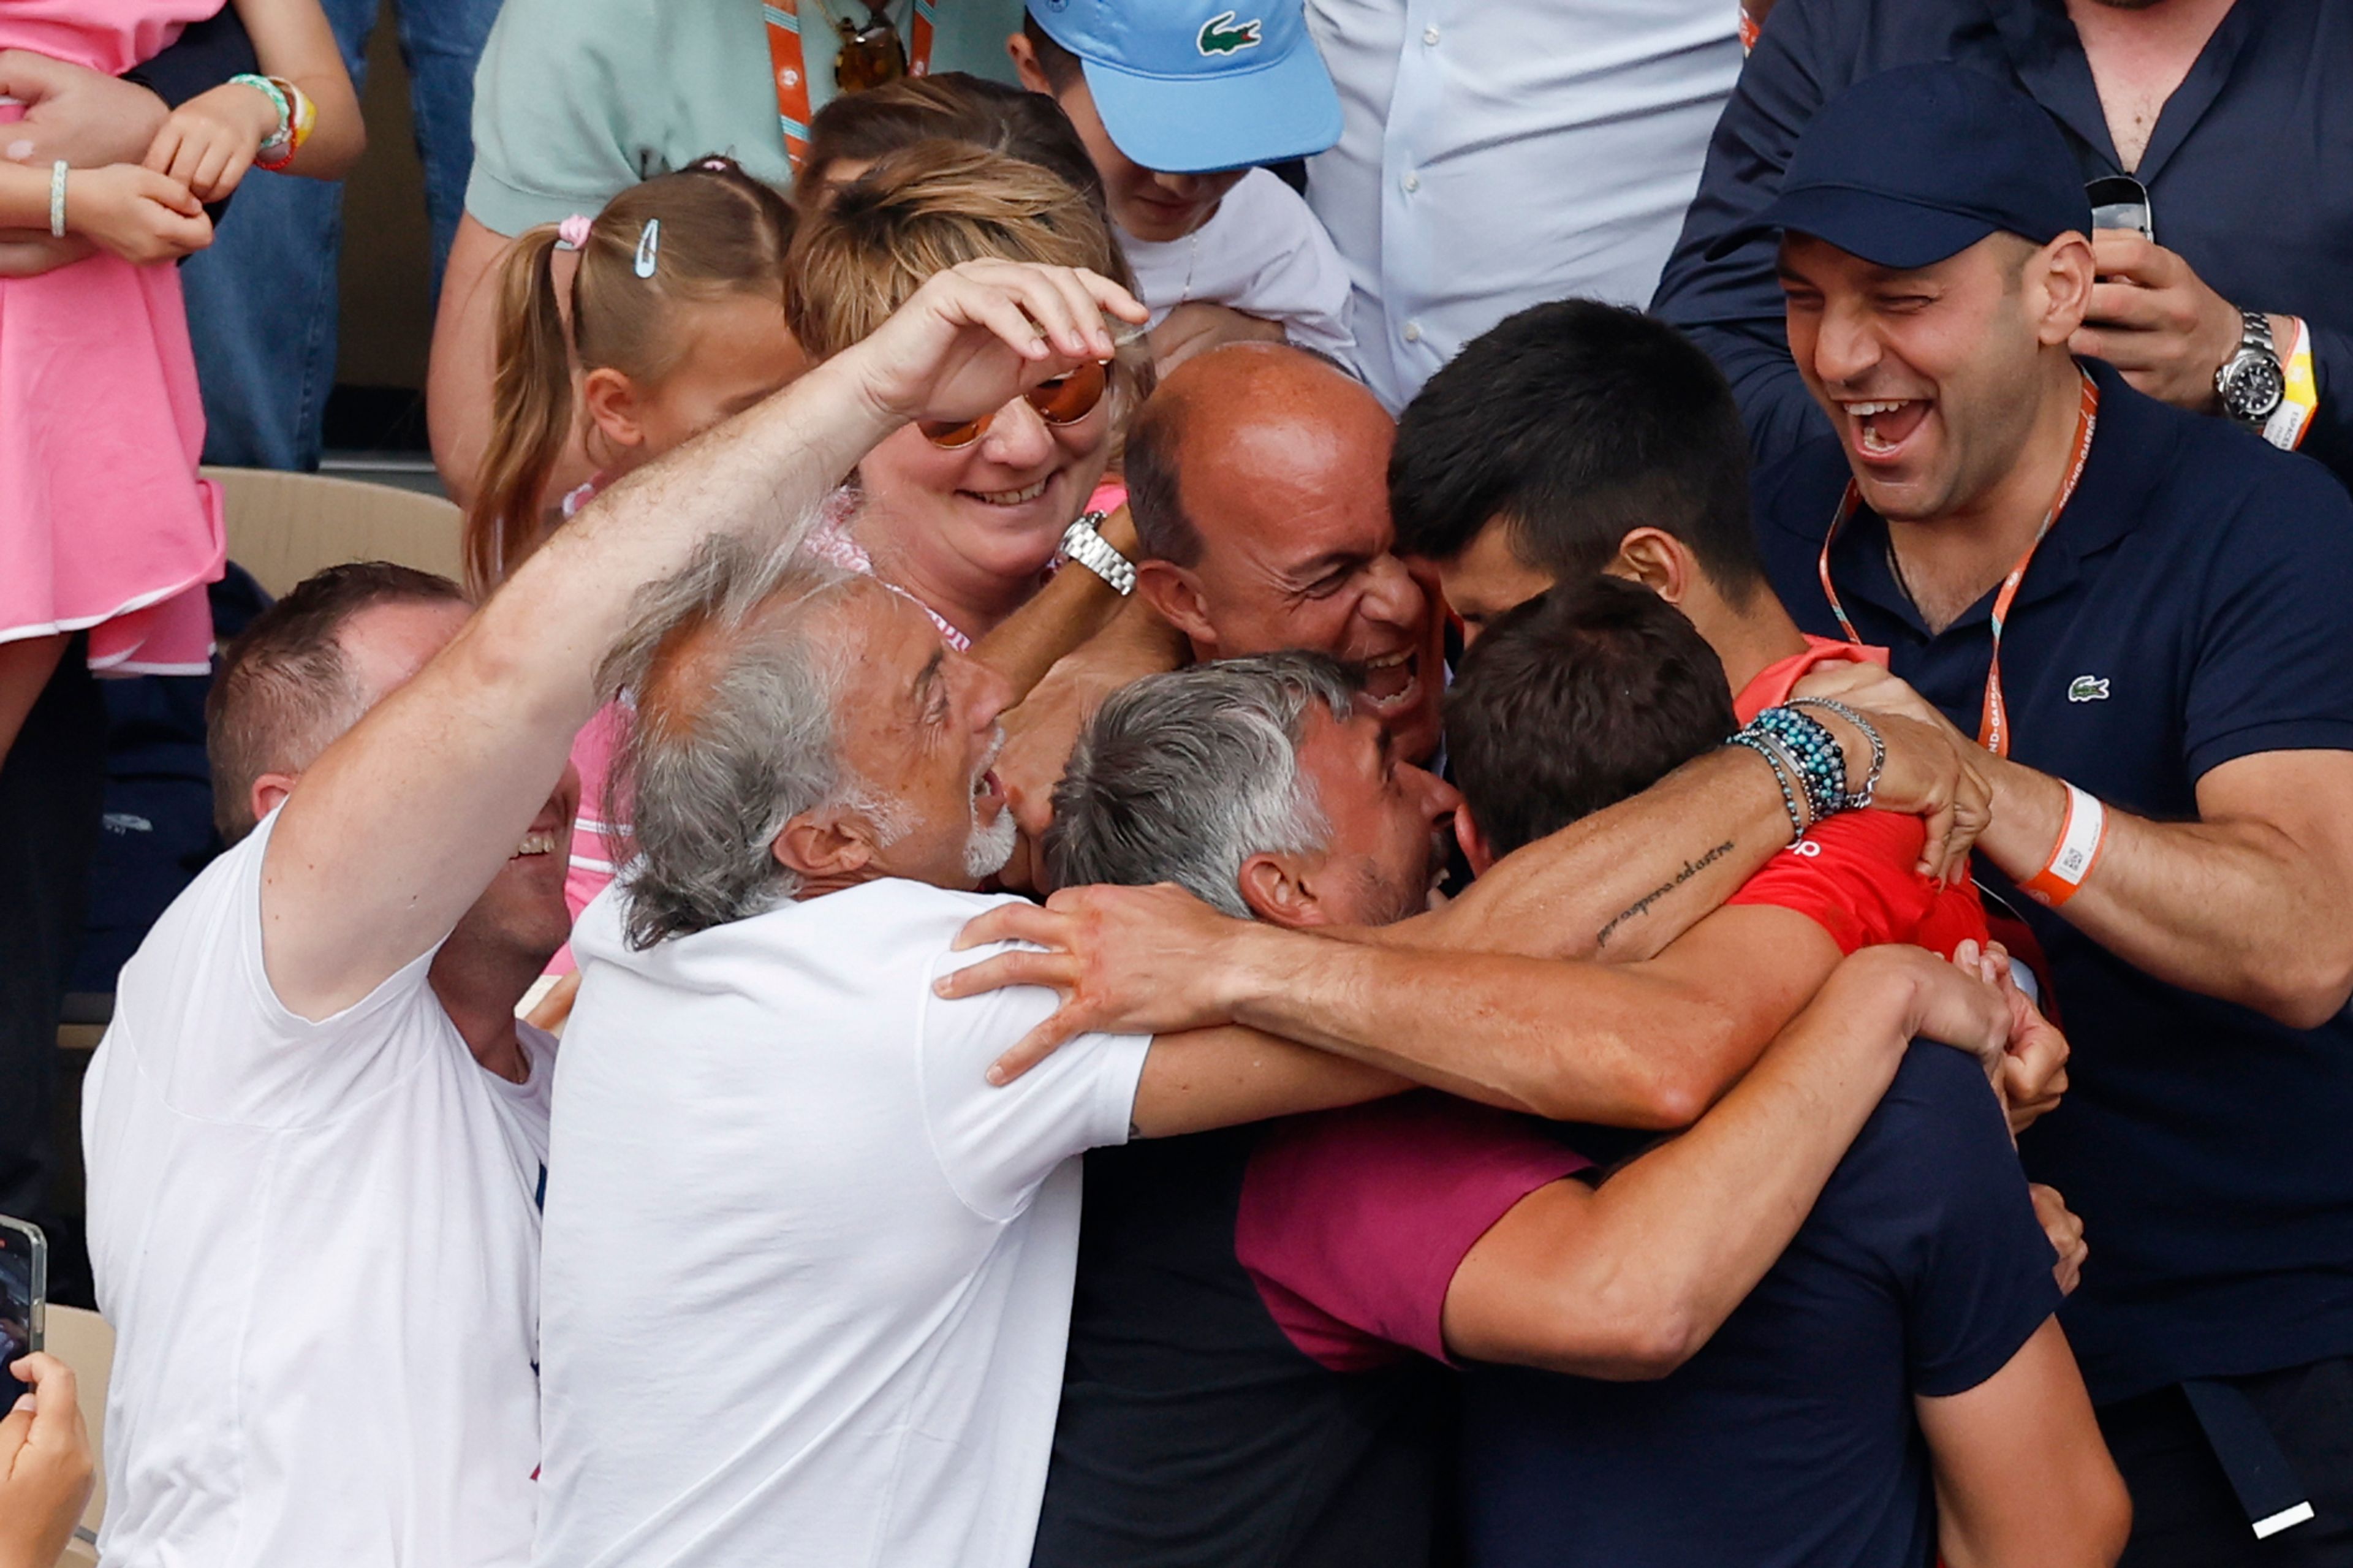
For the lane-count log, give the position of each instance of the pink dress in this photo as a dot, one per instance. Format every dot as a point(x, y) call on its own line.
point(104, 523)
point(600, 834)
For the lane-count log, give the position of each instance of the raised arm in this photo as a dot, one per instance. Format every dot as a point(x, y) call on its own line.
point(2023, 1477)
point(398, 827)
point(1629, 1279)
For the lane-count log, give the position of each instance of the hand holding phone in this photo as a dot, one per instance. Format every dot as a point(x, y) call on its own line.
point(45, 1469)
point(2120, 201)
point(24, 1297)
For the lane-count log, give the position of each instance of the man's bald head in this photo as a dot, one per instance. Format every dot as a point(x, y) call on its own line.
point(1226, 422)
point(1258, 475)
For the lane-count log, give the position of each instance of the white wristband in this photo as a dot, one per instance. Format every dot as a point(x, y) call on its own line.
point(58, 199)
point(2077, 851)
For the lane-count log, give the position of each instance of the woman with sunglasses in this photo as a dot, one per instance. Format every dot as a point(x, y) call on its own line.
point(966, 518)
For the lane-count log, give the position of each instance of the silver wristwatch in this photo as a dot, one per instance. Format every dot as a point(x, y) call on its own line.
point(1083, 544)
point(2251, 383)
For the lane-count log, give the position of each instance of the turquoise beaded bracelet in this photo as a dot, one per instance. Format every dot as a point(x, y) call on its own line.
point(284, 134)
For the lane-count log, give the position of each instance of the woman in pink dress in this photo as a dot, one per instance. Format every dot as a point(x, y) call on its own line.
point(104, 524)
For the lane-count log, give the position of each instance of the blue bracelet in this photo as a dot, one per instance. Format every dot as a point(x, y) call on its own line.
point(1860, 799)
point(1819, 760)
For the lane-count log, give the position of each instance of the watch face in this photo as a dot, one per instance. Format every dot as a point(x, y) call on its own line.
point(2255, 387)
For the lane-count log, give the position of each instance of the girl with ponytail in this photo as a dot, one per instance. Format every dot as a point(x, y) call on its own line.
point(676, 321)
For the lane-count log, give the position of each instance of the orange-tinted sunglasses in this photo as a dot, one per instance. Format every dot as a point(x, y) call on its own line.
point(1065, 400)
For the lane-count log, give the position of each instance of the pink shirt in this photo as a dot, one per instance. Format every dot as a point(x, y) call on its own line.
point(600, 833)
point(1352, 1222)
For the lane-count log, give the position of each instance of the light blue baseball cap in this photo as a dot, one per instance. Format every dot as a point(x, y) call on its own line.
point(1189, 86)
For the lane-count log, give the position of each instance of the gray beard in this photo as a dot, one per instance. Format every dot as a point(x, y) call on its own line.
point(988, 848)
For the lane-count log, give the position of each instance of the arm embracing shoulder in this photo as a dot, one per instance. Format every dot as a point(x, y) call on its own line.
point(1221, 1076)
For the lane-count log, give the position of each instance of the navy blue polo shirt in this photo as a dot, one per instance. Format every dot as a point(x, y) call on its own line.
point(2192, 605)
point(1790, 1440)
point(2249, 169)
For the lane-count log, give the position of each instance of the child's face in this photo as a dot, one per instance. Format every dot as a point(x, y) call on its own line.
point(737, 352)
point(1146, 204)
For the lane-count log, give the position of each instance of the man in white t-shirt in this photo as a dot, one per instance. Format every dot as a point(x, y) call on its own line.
point(808, 1269)
point(314, 1185)
point(1176, 100)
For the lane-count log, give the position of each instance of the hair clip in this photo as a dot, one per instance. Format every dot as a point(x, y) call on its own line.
point(649, 243)
point(715, 165)
point(572, 232)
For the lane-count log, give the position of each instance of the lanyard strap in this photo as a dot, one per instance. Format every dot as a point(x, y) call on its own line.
point(788, 64)
point(1993, 714)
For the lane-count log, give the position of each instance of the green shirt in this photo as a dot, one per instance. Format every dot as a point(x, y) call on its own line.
point(577, 100)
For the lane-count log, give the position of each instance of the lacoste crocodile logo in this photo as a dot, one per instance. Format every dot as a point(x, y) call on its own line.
point(1221, 34)
point(2088, 689)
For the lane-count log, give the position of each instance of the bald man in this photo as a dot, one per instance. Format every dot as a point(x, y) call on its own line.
point(1256, 474)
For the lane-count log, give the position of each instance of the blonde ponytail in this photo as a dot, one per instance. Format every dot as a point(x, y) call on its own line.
point(531, 413)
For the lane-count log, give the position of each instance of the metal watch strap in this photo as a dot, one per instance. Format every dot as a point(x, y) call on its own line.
point(1090, 549)
point(2256, 350)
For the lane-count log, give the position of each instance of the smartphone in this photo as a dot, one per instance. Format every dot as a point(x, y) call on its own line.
point(2120, 201)
point(24, 1297)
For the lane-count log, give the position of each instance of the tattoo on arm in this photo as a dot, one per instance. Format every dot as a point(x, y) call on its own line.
point(1642, 906)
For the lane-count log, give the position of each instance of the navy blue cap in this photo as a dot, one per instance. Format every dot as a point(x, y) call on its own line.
point(1915, 164)
point(1189, 87)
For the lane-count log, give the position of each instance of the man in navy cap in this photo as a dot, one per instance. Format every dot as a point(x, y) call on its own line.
point(2138, 613)
point(2220, 138)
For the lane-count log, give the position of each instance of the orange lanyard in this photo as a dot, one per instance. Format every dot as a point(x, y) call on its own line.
point(1993, 717)
point(789, 67)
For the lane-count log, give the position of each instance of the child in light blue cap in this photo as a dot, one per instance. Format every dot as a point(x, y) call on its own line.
point(1179, 103)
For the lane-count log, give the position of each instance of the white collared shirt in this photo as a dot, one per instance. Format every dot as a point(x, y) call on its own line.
point(1494, 156)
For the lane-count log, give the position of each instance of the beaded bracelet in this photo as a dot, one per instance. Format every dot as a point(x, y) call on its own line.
point(1820, 761)
point(1860, 799)
point(279, 139)
point(301, 115)
point(1765, 749)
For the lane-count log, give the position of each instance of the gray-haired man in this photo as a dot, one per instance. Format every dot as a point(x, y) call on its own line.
point(861, 1248)
point(1234, 1394)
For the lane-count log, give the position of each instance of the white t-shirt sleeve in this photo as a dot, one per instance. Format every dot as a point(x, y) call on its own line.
point(195, 1005)
point(1289, 272)
point(996, 1144)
